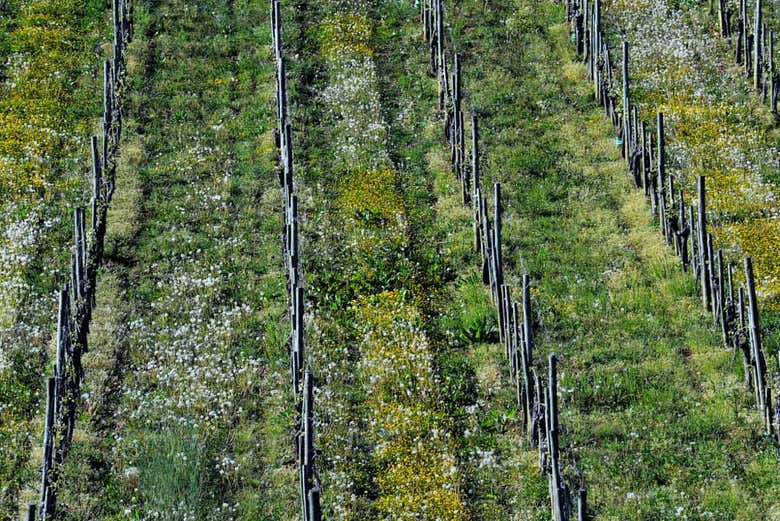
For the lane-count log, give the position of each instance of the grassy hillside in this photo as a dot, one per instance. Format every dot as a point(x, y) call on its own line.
point(49, 54)
point(186, 370)
point(188, 413)
point(659, 418)
point(717, 126)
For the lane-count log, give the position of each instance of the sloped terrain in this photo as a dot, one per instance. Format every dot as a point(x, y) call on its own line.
point(187, 411)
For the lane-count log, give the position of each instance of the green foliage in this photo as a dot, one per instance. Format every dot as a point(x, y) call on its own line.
point(173, 471)
point(477, 321)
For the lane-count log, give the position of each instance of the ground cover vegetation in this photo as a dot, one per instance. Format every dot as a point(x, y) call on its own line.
point(717, 126)
point(651, 393)
point(189, 413)
point(49, 55)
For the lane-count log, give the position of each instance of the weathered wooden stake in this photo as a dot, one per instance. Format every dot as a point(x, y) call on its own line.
point(713, 274)
point(626, 103)
point(704, 267)
point(661, 155)
point(477, 183)
point(694, 242)
point(315, 512)
point(299, 337)
point(684, 233)
point(755, 337)
point(757, 39)
point(498, 267)
point(582, 508)
point(96, 182)
point(552, 439)
point(596, 46)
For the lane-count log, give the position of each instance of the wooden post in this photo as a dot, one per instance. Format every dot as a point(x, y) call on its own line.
point(596, 46)
point(426, 21)
point(498, 267)
point(307, 420)
point(684, 232)
point(582, 508)
point(440, 51)
point(281, 110)
point(653, 176)
point(487, 247)
point(662, 212)
point(47, 486)
point(722, 18)
point(504, 316)
point(528, 334)
point(300, 442)
point(694, 239)
point(552, 441)
point(755, 338)
point(275, 33)
point(63, 343)
point(704, 267)
point(586, 43)
point(626, 103)
point(107, 110)
point(476, 178)
point(757, 38)
point(721, 299)
point(80, 261)
point(634, 129)
point(515, 346)
point(661, 156)
point(96, 182)
point(115, 10)
point(642, 165)
point(745, 45)
point(315, 513)
point(288, 163)
point(713, 282)
point(774, 81)
point(294, 247)
point(527, 349)
point(608, 108)
point(526, 384)
point(299, 337)
point(456, 86)
point(731, 282)
point(741, 313)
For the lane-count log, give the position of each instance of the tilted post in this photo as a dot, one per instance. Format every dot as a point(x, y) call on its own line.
point(704, 268)
point(47, 468)
point(497, 257)
point(552, 441)
point(527, 350)
point(96, 182)
point(755, 338)
point(476, 182)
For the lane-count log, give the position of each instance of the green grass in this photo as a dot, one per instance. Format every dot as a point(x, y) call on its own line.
point(653, 409)
point(52, 98)
point(193, 285)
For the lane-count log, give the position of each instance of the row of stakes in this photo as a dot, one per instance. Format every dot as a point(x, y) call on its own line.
point(539, 404)
point(750, 48)
point(685, 227)
point(301, 378)
point(77, 299)
point(756, 47)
